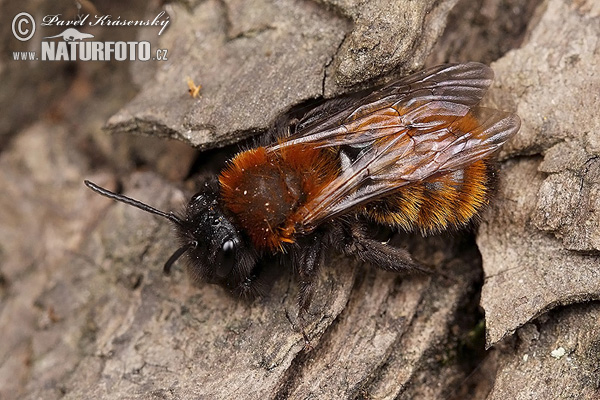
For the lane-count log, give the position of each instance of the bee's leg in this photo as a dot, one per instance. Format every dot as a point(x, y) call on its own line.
point(353, 241)
point(308, 260)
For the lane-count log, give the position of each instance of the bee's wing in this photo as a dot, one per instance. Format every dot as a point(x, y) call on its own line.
point(420, 127)
point(407, 157)
point(449, 89)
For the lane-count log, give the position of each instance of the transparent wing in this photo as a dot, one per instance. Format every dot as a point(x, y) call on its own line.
point(417, 128)
point(449, 90)
point(410, 157)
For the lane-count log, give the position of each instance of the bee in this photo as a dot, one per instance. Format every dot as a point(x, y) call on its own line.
point(414, 155)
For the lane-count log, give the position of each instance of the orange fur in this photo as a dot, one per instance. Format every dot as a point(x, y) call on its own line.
point(270, 191)
point(435, 204)
point(264, 190)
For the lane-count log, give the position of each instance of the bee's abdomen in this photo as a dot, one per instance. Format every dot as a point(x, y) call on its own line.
point(438, 203)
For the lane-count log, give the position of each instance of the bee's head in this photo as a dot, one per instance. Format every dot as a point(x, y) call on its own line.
point(217, 251)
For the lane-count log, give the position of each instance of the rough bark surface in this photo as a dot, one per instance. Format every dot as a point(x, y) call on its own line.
point(555, 357)
point(256, 59)
point(540, 246)
point(85, 311)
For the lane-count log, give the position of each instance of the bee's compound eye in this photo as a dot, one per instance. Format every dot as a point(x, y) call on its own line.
point(226, 258)
point(228, 246)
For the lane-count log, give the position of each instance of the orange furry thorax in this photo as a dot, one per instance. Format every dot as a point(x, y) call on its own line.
point(266, 189)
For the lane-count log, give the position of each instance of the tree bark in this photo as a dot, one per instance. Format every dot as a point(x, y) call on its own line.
point(85, 311)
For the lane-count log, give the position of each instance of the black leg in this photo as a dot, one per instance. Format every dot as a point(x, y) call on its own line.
point(380, 254)
point(308, 259)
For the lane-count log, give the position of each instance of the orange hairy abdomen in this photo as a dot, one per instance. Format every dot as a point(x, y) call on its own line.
point(441, 201)
point(435, 204)
point(263, 189)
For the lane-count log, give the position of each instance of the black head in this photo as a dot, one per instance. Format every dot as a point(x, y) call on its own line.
point(218, 252)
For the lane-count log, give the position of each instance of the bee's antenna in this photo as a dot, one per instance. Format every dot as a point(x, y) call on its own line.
point(178, 253)
point(138, 204)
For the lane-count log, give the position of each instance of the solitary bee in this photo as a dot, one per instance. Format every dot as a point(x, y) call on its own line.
point(413, 155)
